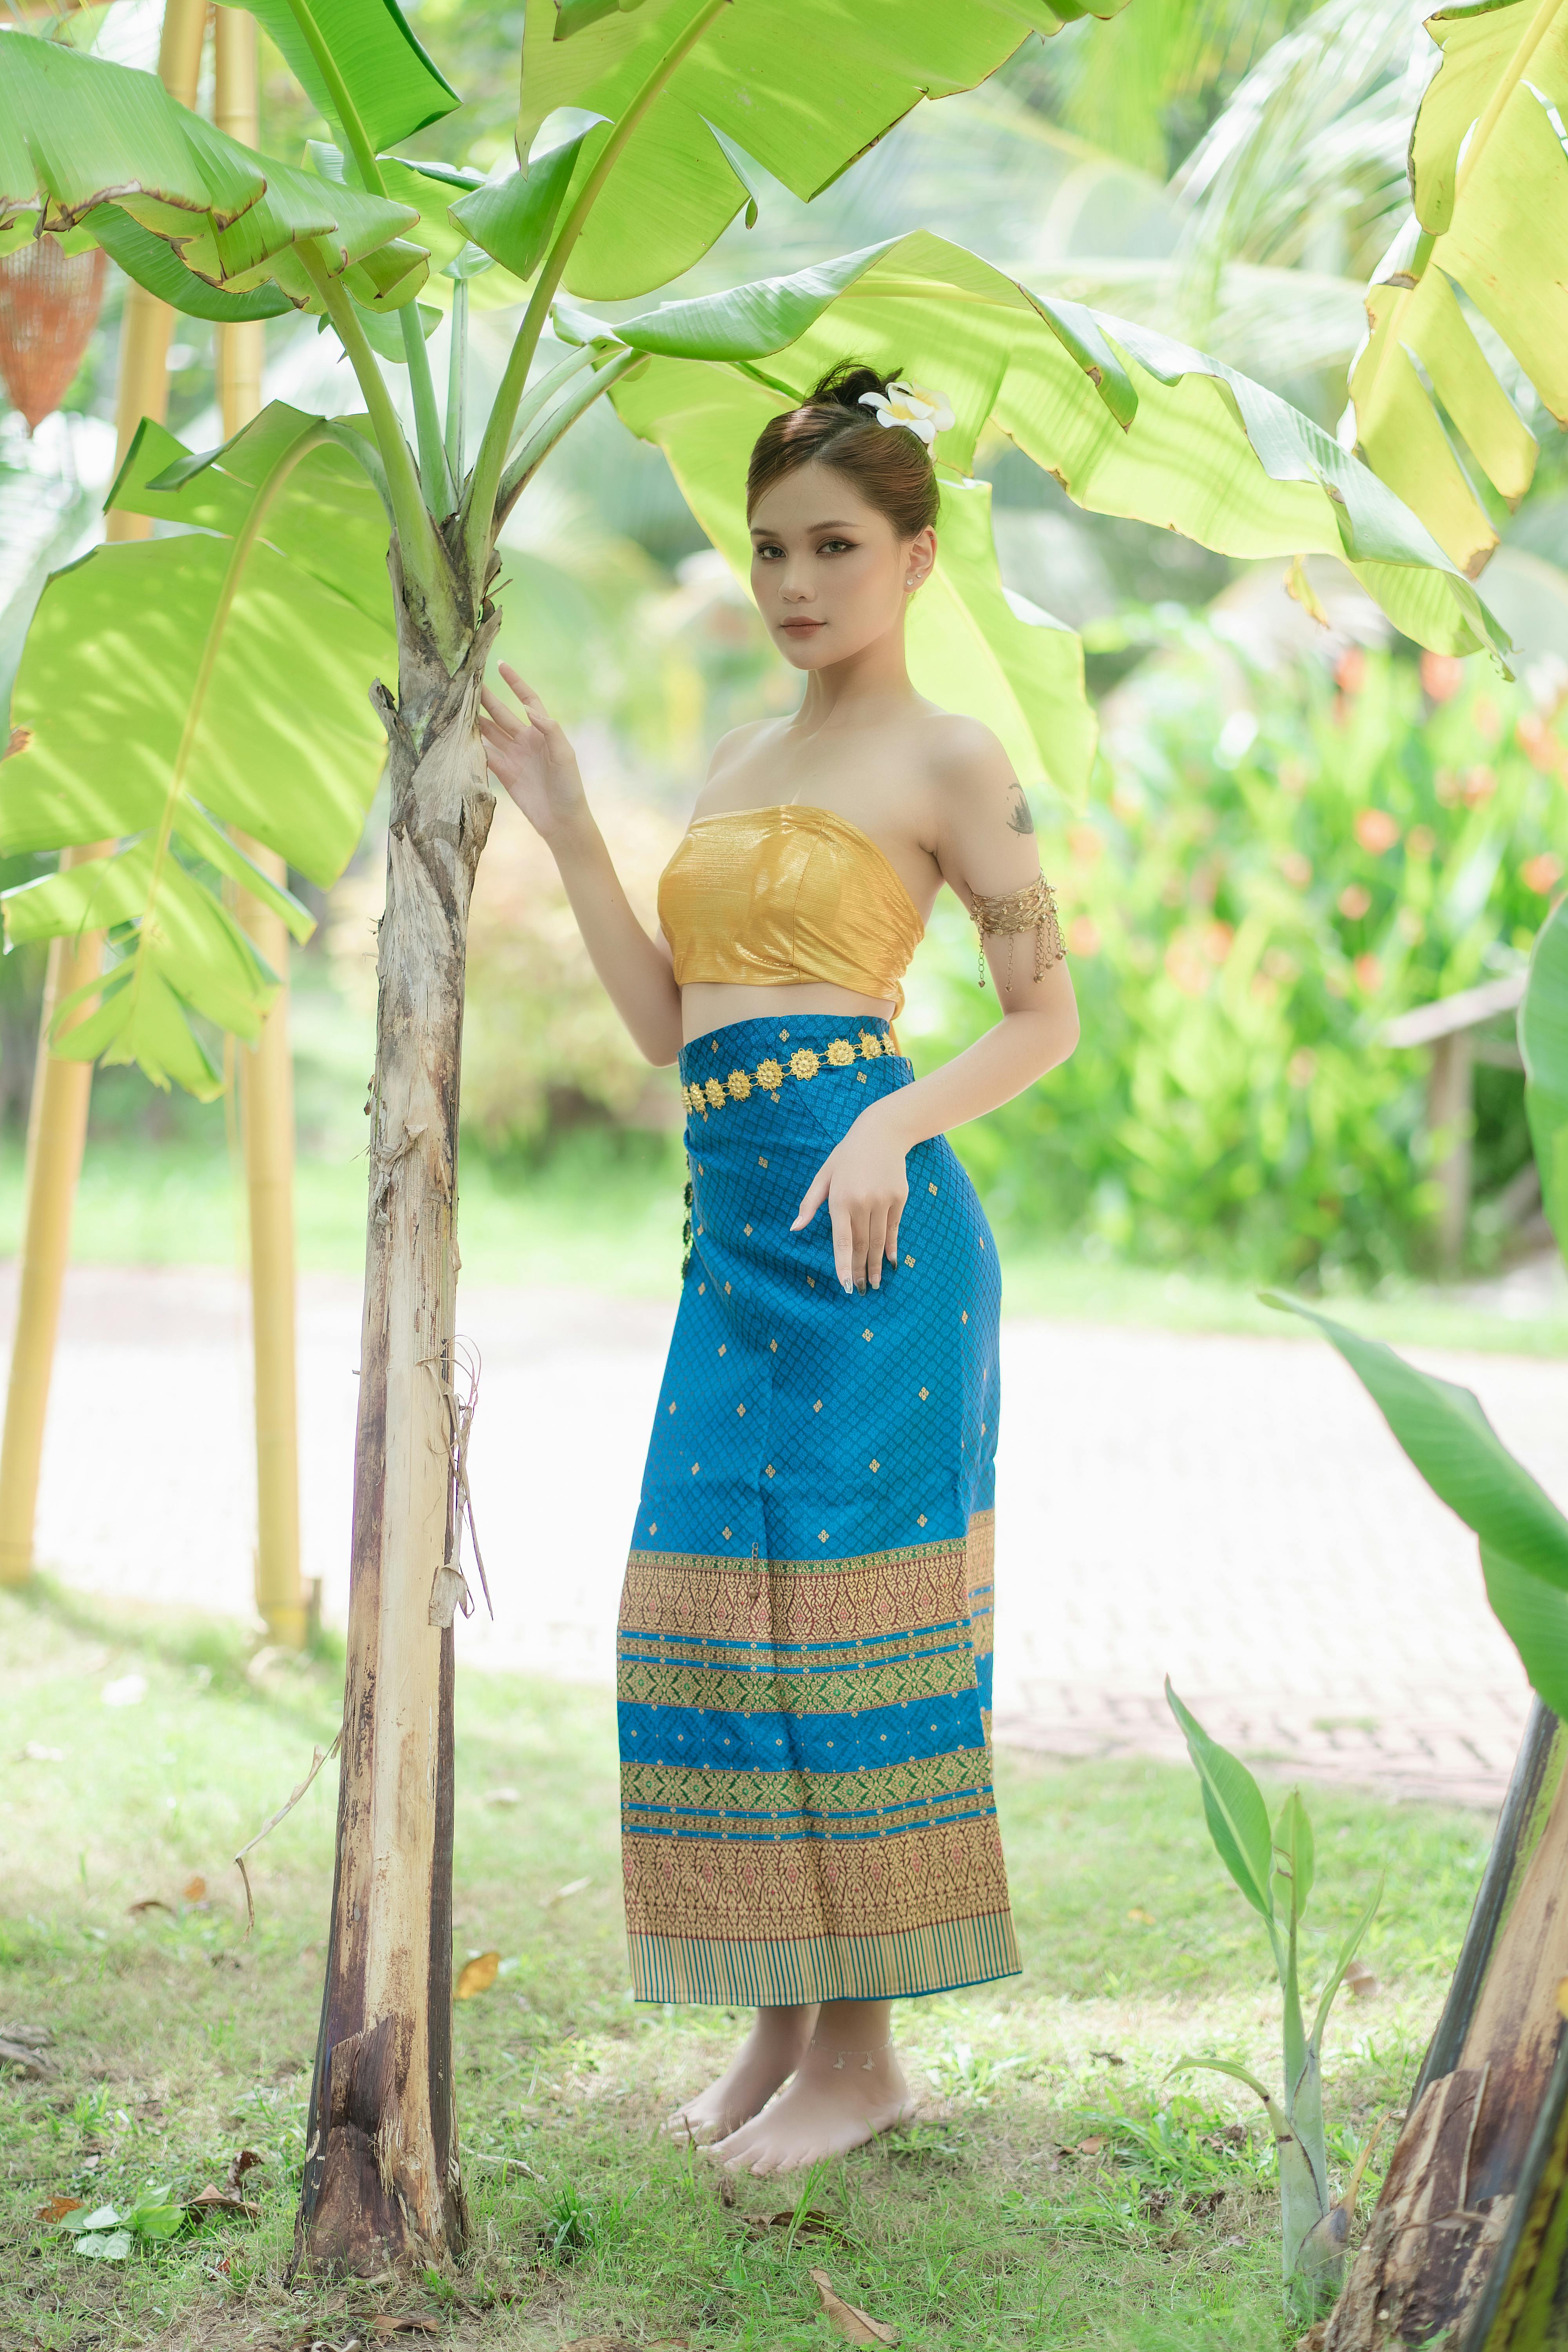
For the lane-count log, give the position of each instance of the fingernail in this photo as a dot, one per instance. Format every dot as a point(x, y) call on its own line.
point(861, 1287)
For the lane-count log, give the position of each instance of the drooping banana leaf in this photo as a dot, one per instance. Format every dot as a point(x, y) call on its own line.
point(375, 63)
point(1129, 422)
point(172, 688)
point(1523, 1536)
point(803, 85)
point(1489, 164)
point(94, 148)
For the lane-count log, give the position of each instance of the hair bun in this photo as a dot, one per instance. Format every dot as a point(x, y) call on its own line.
point(843, 386)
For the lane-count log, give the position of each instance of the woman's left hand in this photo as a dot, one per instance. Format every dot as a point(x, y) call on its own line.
point(863, 1181)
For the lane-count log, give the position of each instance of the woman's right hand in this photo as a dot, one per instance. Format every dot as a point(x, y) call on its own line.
point(531, 758)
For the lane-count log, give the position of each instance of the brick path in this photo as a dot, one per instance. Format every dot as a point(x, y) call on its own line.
point(1228, 1510)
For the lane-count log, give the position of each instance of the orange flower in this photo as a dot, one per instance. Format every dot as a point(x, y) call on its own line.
point(1086, 844)
point(1083, 936)
point(1375, 830)
point(1350, 671)
point(1218, 940)
point(1540, 745)
point(1185, 966)
point(1420, 841)
point(1477, 785)
point(1355, 901)
point(1442, 676)
point(1368, 974)
point(1296, 868)
point(1541, 872)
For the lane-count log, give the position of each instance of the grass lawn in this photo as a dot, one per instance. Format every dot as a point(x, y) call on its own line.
point(1059, 2188)
point(586, 1222)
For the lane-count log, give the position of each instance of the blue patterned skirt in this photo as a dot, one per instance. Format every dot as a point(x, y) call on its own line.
point(804, 1673)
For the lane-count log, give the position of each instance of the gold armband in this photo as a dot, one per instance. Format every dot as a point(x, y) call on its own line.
point(1034, 910)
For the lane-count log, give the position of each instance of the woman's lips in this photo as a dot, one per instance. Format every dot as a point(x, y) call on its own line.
point(801, 628)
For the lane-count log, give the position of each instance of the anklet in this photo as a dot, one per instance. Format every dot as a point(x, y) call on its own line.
point(865, 2056)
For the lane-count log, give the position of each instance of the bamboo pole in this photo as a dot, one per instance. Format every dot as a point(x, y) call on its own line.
point(57, 1122)
point(266, 1069)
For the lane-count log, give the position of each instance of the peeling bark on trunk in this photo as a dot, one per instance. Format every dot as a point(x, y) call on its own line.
point(1472, 2205)
point(381, 2183)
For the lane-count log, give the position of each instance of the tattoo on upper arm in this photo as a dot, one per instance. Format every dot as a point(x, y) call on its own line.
point(1021, 818)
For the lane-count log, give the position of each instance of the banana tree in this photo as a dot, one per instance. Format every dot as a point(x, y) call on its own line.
point(1275, 1871)
point(1489, 176)
point(229, 679)
point(1468, 2243)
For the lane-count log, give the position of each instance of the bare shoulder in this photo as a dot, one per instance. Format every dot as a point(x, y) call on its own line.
point(966, 757)
point(983, 815)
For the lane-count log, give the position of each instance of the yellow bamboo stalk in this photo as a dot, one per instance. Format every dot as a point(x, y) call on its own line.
point(57, 1122)
point(266, 1069)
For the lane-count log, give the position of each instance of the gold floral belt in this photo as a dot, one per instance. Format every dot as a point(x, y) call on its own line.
point(768, 1075)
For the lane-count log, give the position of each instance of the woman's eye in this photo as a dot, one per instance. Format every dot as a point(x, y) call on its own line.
point(770, 554)
point(836, 547)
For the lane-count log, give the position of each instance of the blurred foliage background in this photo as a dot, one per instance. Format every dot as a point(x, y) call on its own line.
point(1299, 827)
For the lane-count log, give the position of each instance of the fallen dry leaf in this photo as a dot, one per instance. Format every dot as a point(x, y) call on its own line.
point(1313, 2339)
point(54, 2209)
point(149, 1903)
point(856, 2326)
point(565, 1894)
point(239, 2166)
point(385, 2323)
point(214, 2199)
point(195, 1889)
point(1094, 2145)
point(1110, 2057)
point(1145, 1918)
point(1362, 1980)
point(813, 2224)
point(477, 1976)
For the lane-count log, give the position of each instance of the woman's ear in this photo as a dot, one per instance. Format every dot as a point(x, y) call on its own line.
point(920, 559)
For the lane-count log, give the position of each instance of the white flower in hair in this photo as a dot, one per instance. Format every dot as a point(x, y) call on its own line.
point(924, 414)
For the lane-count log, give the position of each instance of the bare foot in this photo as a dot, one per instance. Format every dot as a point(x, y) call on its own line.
point(768, 2056)
point(838, 2099)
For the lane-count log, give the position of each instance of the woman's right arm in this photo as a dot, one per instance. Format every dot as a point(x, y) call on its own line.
point(532, 758)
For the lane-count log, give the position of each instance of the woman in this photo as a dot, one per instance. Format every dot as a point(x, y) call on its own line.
point(808, 1824)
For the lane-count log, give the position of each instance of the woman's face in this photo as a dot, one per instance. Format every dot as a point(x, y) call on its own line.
point(830, 574)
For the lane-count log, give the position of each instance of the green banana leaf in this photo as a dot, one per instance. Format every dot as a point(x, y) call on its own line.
point(802, 86)
point(1129, 422)
point(1234, 1806)
point(385, 76)
point(1489, 174)
point(93, 148)
point(1523, 1535)
point(1543, 1042)
point(76, 131)
point(970, 648)
point(174, 687)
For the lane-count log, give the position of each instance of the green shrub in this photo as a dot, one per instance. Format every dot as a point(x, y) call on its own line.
point(1248, 900)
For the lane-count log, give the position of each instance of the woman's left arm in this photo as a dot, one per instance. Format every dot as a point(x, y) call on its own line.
point(985, 848)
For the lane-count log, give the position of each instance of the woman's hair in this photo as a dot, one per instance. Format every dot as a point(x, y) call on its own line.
point(889, 465)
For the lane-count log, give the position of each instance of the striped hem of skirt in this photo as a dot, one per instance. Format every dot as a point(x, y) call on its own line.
point(788, 1975)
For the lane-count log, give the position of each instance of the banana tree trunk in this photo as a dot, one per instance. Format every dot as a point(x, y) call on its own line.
point(381, 2182)
point(1468, 2246)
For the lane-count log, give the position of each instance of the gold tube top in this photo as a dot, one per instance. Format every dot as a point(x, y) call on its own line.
point(773, 896)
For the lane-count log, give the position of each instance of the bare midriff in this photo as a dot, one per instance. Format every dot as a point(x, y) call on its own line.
point(706, 1005)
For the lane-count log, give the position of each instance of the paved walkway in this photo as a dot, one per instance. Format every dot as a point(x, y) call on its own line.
point(1228, 1510)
